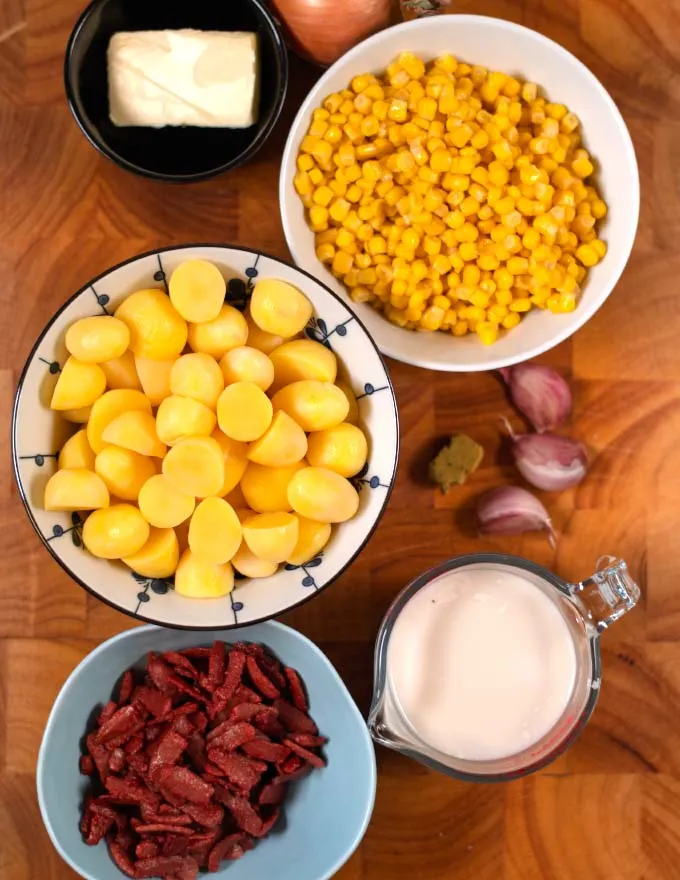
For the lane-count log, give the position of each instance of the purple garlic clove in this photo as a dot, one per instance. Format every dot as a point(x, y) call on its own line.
point(539, 393)
point(510, 510)
point(549, 461)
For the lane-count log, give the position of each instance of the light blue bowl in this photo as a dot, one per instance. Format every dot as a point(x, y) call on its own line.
point(325, 815)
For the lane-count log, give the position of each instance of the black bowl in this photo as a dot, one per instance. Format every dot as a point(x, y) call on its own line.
point(175, 154)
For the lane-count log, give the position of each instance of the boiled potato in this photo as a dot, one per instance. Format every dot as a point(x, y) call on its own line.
point(157, 330)
point(315, 406)
point(75, 489)
point(244, 412)
point(79, 416)
point(135, 430)
point(197, 375)
point(98, 339)
point(107, 408)
point(215, 532)
point(197, 290)
point(162, 505)
point(228, 330)
point(123, 471)
point(312, 538)
point(260, 339)
point(265, 489)
point(246, 364)
point(154, 377)
point(247, 563)
point(180, 417)
point(342, 449)
point(78, 385)
point(195, 466)
point(77, 452)
point(235, 462)
point(159, 557)
point(236, 497)
point(303, 359)
point(271, 536)
point(322, 495)
point(115, 532)
point(353, 414)
point(283, 443)
point(182, 532)
point(197, 578)
point(121, 372)
point(279, 308)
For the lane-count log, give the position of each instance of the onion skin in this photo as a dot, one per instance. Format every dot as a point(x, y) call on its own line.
point(511, 510)
point(539, 393)
point(550, 462)
point(323, 30)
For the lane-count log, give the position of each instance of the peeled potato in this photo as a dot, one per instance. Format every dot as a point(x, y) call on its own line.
point(215, 532)
point(248, 564)
point(195, 466)
point(312, 538)
point(123, 471)
point(77, 452)
point(79, 416)
point(197, 578)
point(236, 497)
point(180, 417)
point(353, 414)
point(154, 377)
point(342, 449)
point(162, 505)
point(228, 330)
point(78, 385)
point(98, 339)
point(284, 443)
point(322, 495)
point(279, 308)
point(244, 412)
point(235, 462)
point(159, 557)
point(246, 364)
point(107, 408)
point(197, 290)
point(197, 375)
point(271, 536)
point(303, 359)
point(115, 532)
point(75, 489)
point(265, 489)
point(315, 406)
point(157, 330)
point(121, 372)
point(135, 430)
point(260, 339)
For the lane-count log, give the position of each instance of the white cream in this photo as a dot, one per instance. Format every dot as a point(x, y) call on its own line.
point(482, 664)
point(184, 77)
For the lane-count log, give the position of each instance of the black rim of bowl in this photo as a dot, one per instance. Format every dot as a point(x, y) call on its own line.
point(15, 455)
point(102, 147)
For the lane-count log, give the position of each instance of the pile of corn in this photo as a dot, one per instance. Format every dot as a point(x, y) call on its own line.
point(450, 197)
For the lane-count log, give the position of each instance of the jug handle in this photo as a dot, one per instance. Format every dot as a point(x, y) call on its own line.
point(608, 594)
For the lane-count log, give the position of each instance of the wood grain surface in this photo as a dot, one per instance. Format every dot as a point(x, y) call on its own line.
point(610, 808)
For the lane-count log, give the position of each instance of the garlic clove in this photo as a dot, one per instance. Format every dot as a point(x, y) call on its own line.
point(511, 510)
point(540, 393)
point(549, 461)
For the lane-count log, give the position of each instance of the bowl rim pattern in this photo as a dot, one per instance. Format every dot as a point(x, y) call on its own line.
point(135, 614)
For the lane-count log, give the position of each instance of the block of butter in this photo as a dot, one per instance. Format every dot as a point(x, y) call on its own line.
point(184, 77)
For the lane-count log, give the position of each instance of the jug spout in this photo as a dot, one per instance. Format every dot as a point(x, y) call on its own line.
point(608, 594)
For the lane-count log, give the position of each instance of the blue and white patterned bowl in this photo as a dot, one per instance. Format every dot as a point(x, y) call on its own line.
point(38, 434)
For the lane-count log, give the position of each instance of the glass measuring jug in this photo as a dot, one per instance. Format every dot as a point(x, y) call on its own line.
point(586, 608)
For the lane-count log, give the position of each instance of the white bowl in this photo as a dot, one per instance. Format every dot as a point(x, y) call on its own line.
point(38, 433)
point(499, 45)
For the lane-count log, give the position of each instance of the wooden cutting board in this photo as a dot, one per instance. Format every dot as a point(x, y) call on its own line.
point(609, 809)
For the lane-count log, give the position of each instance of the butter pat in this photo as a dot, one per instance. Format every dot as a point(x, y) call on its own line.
point(185, 77)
